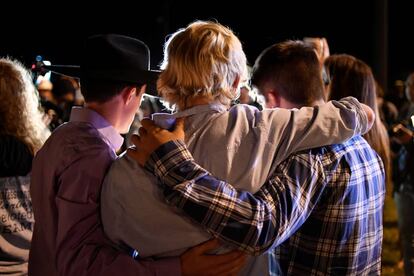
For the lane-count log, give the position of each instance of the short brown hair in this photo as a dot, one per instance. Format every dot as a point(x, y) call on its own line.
point(103, 90)
point(293, 69)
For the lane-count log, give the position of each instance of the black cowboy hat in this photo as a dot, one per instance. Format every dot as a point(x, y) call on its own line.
point(118, 58)
point(113, 57)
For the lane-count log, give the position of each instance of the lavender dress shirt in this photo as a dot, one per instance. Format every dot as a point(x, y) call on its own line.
point(66, 182)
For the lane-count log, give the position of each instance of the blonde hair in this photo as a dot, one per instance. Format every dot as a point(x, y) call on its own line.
point(20, 114)
point(203, 59)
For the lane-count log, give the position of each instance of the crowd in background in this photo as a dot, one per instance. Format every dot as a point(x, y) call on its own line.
point(32, 108)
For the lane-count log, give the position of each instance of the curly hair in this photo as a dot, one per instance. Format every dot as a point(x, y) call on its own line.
point(204, 59)
point(20, 113)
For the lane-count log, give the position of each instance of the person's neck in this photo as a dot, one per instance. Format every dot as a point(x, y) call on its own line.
point(110, 110)
point(199, 100)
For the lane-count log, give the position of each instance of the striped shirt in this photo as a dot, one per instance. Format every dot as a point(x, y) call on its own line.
point(321, 211)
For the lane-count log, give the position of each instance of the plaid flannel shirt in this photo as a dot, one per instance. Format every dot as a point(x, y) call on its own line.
point(321, 212)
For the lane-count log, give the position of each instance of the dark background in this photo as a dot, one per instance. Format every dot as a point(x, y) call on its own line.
point(376, 31)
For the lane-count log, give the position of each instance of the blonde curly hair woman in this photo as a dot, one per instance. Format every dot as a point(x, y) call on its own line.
point(22, 133)
point(20, 115)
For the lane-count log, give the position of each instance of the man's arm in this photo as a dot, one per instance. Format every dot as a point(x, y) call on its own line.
point(253, 223)
point(309, 127)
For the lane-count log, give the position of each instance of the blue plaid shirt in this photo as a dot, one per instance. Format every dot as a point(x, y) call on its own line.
point(321, 212)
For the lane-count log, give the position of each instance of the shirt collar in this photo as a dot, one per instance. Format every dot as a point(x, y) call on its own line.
point(215, 106)
point(83, 114)
point(165, 120)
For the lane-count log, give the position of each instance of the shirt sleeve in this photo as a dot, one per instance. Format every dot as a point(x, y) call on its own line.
point(293, 130)
point(81, 246)
point(252, 223)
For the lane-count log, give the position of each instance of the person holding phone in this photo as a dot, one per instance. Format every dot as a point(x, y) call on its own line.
point(403, 146)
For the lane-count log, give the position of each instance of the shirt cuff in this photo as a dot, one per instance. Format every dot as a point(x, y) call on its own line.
point(361, 118)
point(173, 164)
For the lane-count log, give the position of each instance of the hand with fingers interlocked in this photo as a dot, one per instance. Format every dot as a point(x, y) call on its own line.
point(151, 137)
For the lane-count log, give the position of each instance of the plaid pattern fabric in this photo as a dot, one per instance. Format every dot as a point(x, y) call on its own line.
point(320, 213)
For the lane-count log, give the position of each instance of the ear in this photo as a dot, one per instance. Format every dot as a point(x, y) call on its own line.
point(128, 94)
point(142, 90)
point(327, 92)
point(272, 99)
point(236, 82)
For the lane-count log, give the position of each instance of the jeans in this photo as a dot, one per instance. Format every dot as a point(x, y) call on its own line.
point(404, 199)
